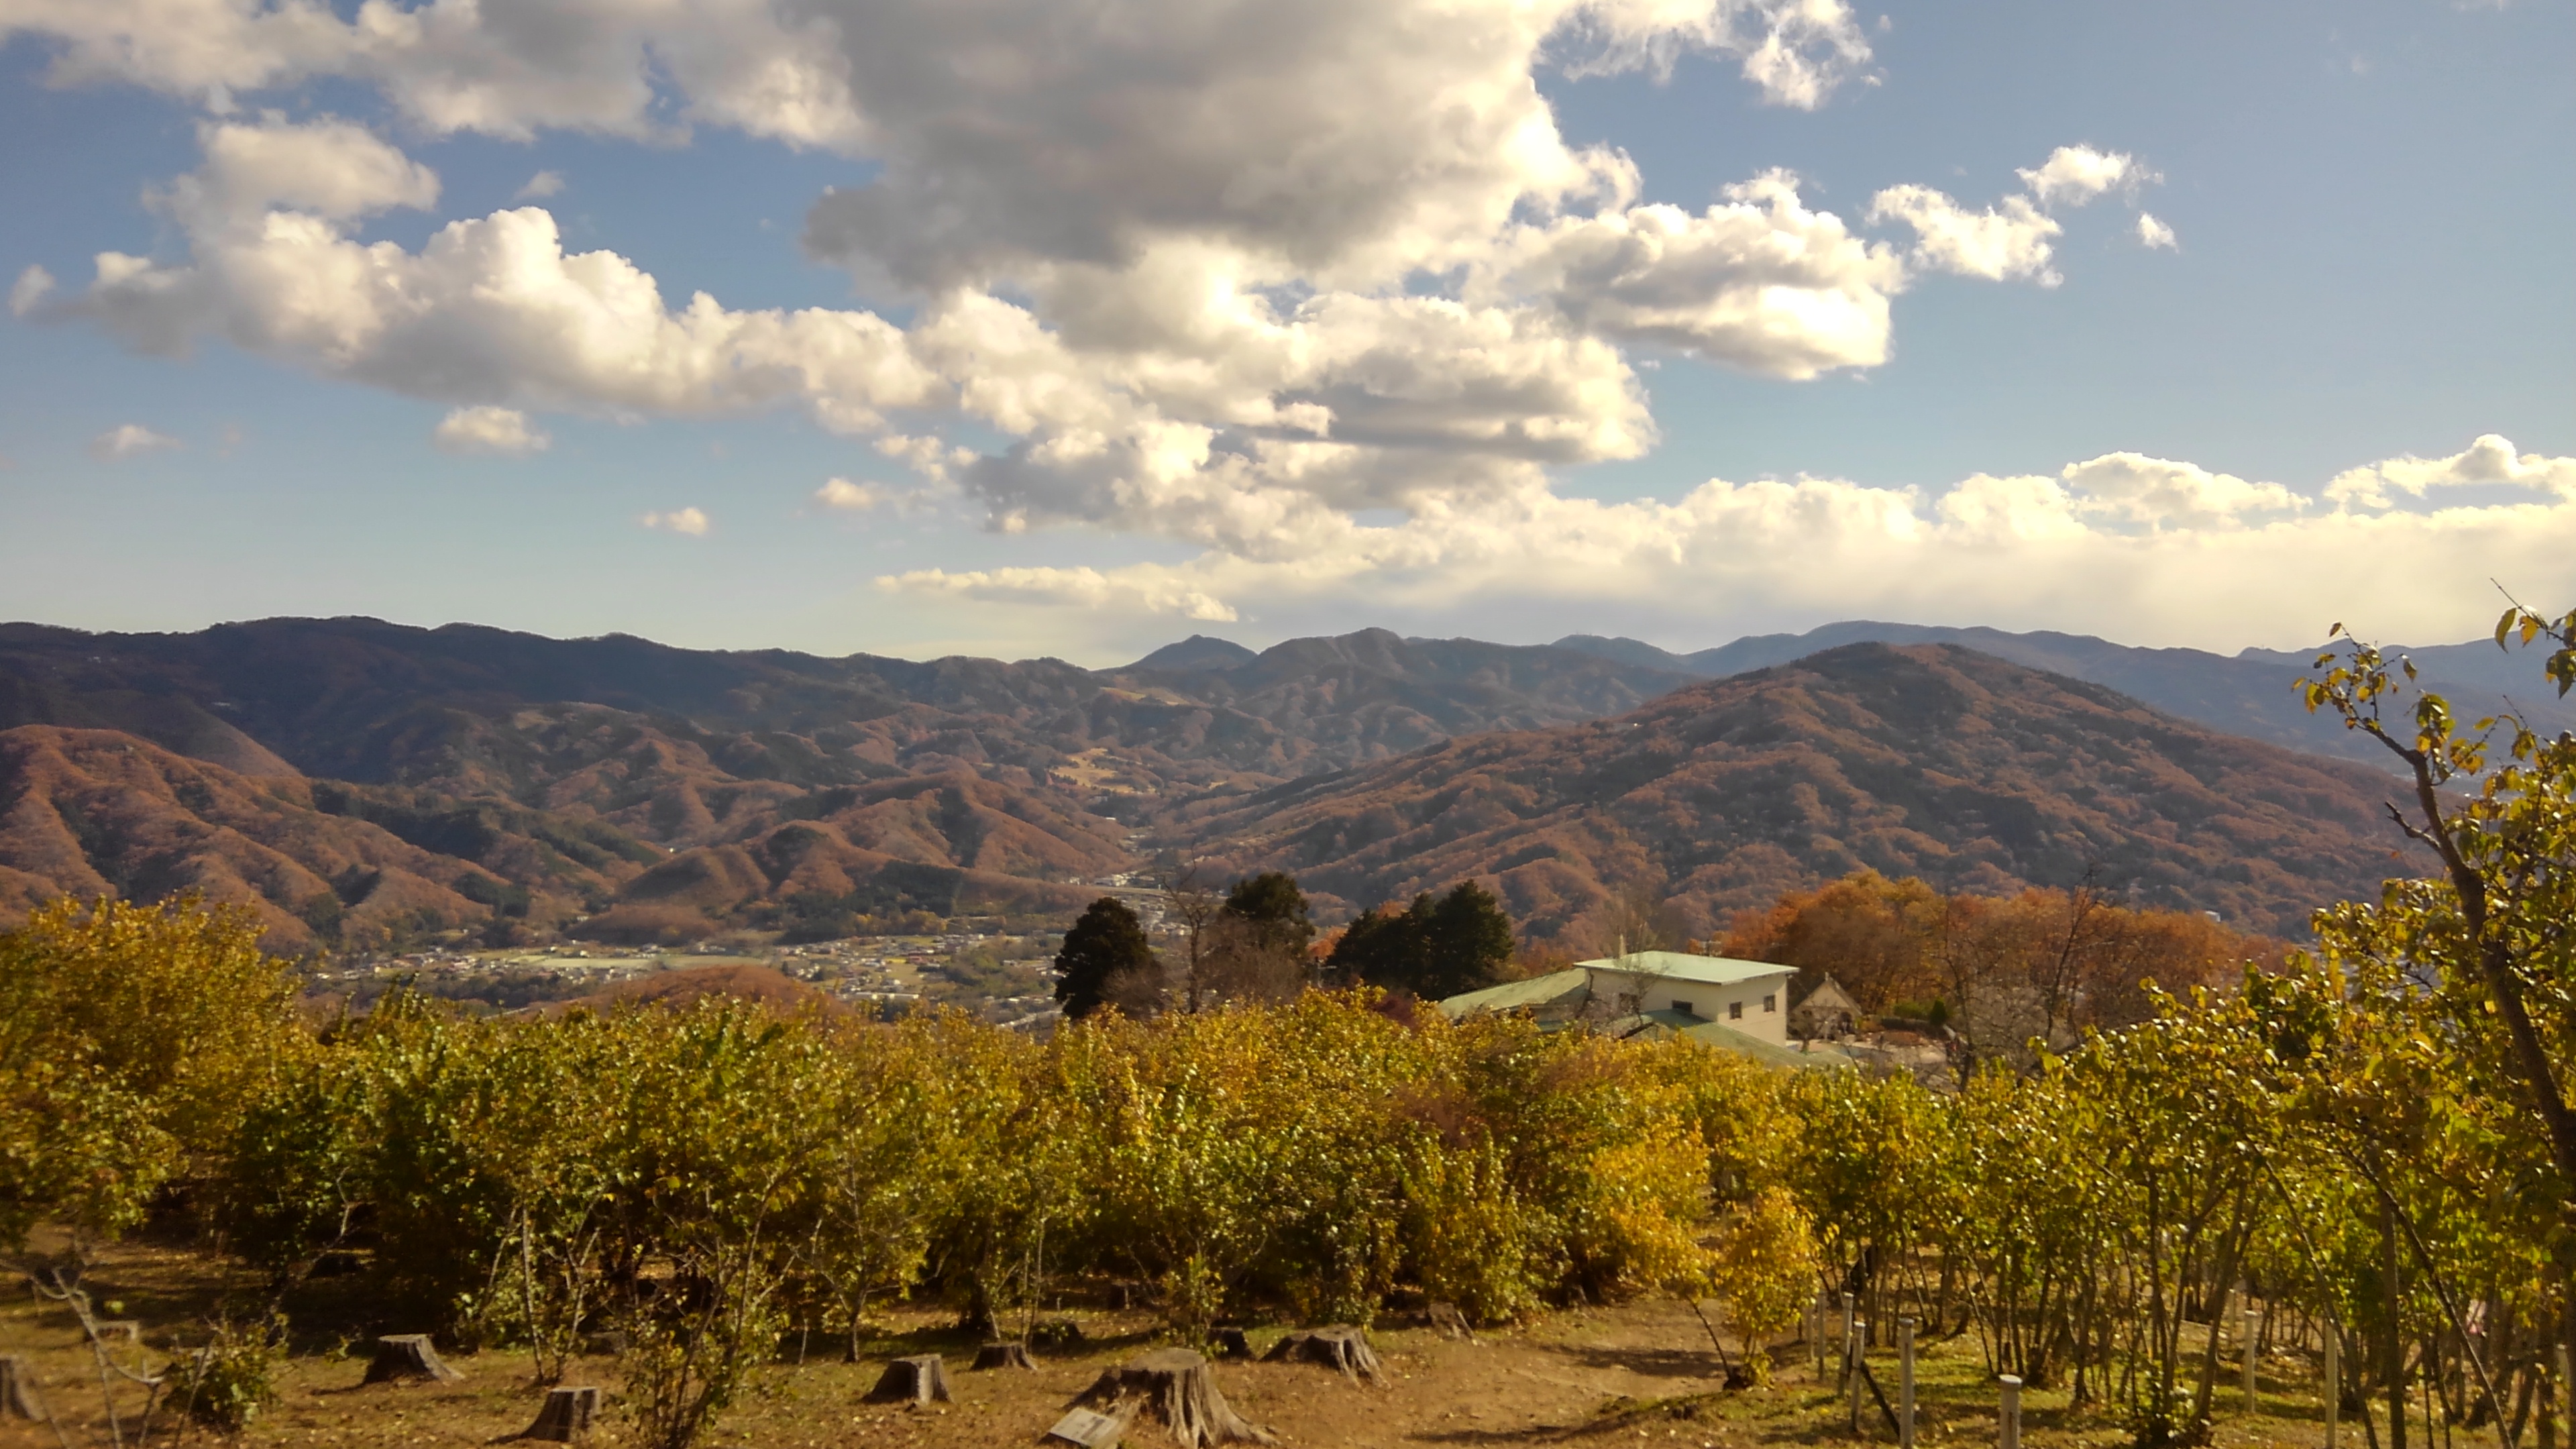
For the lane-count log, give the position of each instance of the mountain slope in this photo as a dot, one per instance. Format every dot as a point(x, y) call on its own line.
point(1972, 772)
point(666, 792)
point(2251, 694)
point(475, 711)
point(91, 812)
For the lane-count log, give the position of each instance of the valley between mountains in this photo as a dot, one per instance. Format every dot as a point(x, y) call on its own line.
point(364, 785)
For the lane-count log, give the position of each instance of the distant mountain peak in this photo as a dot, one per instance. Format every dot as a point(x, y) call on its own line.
point(1199, 651)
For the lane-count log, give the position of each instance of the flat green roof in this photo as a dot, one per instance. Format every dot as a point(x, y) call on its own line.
point(1681, 966)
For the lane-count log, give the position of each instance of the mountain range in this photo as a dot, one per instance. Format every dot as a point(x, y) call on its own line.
point(1937, 761)
point(2253, 693)
point(362, 782)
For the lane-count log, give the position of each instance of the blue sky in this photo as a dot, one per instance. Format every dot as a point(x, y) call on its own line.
point(1163, 323)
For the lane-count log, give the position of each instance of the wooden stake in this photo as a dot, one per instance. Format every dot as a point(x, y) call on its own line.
point(1905, 1383)
point(2008, 1427)
point(2334, 1381)
point(2253, 1324)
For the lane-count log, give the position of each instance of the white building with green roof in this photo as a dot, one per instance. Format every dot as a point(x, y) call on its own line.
point(1742, 1006)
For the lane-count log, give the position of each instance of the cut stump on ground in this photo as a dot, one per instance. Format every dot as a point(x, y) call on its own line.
point(1335, 1346)
point(1004, 1355)
point(1180, 1389)
point(564, 1418)
point(18, 1398)
point(920, 1379)
point(406, 1357)
point(1446, 1318)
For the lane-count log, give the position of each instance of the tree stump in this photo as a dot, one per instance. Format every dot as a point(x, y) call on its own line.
point(920, 1379)
point(1446, 1318)
point(1226, 1340)
point(1180, 1389)
point(565, 1417)
point(1004, 1355)
point(1335, 1345)
point(18, 1390)
point(1056, 1335)
point(402, 1357)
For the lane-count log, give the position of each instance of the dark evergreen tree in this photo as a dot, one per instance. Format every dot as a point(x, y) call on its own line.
point(1275, 909)
point(1107, 941)
point(1433, 949)
point(1471, 941)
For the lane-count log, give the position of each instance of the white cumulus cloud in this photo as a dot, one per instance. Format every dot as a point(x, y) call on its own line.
point(1228, 275)
point(1998, 243)
point(129, 440)
point(690, 522)
point(2074, 175)
point(31, 288)
point(540, 186)
point(505, 432)
point(2122, 544)
point(2489, 460)
point(2154, 234)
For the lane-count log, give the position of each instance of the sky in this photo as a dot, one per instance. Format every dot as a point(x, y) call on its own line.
point(1016, 328)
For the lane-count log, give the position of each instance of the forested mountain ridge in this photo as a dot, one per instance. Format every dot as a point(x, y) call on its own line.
point(1971, 772)
point(2253, 693)
point(479, 710)
point(627, 788)
point(760, 787)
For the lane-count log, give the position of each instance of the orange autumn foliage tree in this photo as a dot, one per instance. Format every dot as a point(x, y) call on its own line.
point(2055, 960)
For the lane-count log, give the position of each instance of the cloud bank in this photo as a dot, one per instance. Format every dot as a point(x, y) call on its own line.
point(2105, 545)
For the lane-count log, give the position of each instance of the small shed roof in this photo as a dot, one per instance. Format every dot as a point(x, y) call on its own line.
point(1679, 966)
point(1535, 993)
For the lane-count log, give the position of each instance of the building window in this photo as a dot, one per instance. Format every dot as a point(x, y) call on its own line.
point(1685, 1008)
point(1735, 1011)
point(1771, 1003)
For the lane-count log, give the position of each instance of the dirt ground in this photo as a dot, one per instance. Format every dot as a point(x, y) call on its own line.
point(1641, 1371)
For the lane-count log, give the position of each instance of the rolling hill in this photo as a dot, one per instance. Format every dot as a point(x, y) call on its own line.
point(638, 792)
point(2251, 693)
point(1973, 772)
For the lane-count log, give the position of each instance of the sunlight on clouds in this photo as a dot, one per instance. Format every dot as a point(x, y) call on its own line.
point(1218, 279)
point(504, 432)
point(2155, 235)
point(129, 440)
point(690, 522)
point(1138, 589)
point(1997, 244)
point(2139, 547)
point(31, 288)
point(2074, 175)
point(2489, 460)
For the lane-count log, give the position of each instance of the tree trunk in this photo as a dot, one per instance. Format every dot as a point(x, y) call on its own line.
point(1337, 1346)
point(565, 1418)
point(1181, 1390)
point(920, 1379)
point(1003, 1355)
point(404, 1357)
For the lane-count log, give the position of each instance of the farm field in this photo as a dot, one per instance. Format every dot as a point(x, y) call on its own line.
point(1641, 1371)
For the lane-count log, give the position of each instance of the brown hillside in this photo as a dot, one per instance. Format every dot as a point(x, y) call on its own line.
point(1935, 761)
point(93, 812)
